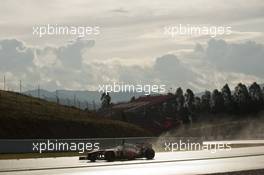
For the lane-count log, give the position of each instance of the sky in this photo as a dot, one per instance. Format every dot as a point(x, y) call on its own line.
point(132, 47)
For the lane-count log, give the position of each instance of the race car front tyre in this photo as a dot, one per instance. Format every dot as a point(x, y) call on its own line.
point(92, 158)
point(149, 154)
point(109, 156)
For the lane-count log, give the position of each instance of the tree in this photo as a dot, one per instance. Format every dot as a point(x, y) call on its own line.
point(263, 96)
point(256, 96)
point(106, 100)
point(242, 98)
point(179, 99)
point(205, 101)
point(189, 104)
point(228, 99)
point(189, 100)
point(133, 99)
point(197, 104)
point(217, 103)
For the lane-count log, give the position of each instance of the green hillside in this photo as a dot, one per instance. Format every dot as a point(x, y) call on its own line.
point(23, 116)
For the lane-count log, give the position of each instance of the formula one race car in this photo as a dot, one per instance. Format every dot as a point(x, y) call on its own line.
point(123, 152)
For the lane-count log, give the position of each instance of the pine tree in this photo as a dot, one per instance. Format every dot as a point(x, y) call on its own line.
point(256, 97)
point(228, 99)
point(242, 98)
point(217, 103)
point(179, 98)
point(205, 101)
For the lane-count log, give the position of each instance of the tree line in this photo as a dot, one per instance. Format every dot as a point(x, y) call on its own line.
point(242, 100)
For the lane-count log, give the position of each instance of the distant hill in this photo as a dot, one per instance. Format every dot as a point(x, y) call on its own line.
point(85, 98)
point(22, 116)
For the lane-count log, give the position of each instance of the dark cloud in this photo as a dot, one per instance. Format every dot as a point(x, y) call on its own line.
point(166, 70)
point(119, 10)
point(169, 69)
point(135, 74)
point(71, 54)
point(59, 67)
point(246, 58)
point(15, 56)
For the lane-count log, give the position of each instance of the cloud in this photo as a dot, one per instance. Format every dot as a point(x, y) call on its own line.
point(246, 58)
point(71, 54)
point(63, 67)
point(136, 74)
point(220, 62)
point(119, 10)
point(15, 55)
point(52, 67)
point(168, 68)
point(46, 57)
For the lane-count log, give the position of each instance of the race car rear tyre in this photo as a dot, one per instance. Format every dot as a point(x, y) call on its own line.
point(149, 154)
point(92, 158)
point(109, 156)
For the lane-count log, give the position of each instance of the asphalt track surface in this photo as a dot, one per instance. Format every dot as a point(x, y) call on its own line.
point(189, 162)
